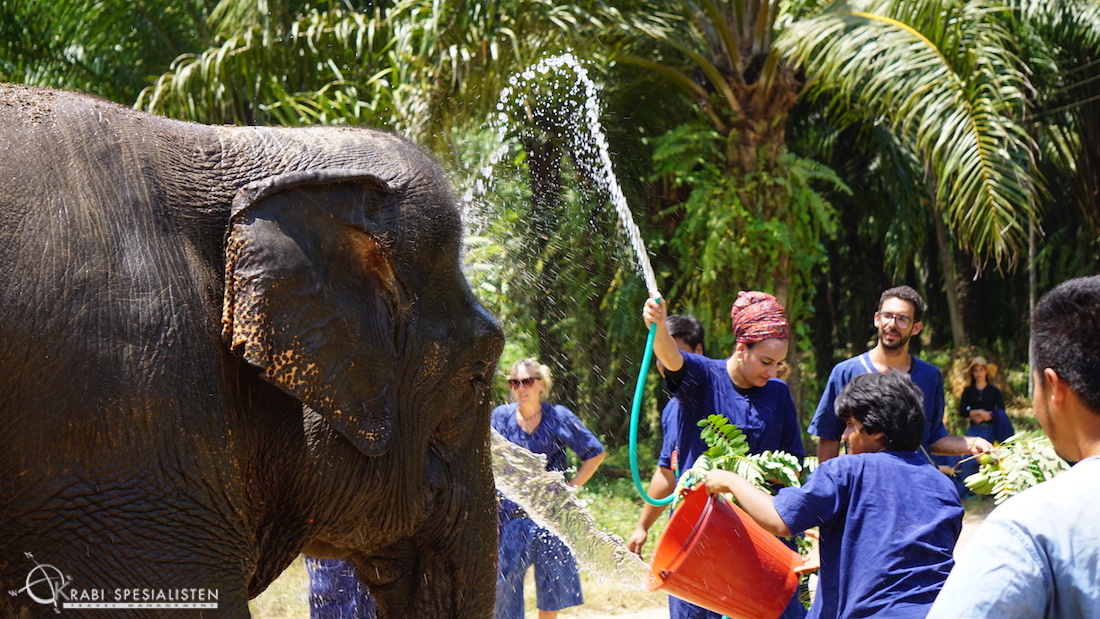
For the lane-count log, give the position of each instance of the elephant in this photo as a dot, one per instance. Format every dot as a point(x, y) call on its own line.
point(223, 346)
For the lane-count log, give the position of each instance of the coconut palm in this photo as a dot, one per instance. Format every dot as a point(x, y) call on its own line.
point(414, 65)
point(941, 76)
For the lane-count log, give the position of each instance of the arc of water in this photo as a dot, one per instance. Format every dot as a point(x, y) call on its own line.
point(522, 476)
point(604, 173)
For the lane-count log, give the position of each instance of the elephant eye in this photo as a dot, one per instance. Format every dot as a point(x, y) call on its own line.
point(480, 374)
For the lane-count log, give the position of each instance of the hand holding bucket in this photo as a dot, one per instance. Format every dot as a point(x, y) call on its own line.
point(714, 555)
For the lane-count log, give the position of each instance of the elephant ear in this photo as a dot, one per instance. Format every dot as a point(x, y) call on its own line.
point(311, 297)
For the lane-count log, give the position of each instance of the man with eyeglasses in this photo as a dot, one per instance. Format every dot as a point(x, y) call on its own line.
point(898, 320)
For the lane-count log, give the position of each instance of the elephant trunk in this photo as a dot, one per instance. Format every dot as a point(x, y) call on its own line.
point(448, 567)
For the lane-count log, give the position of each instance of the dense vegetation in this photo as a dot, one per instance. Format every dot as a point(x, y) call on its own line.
point(822, 151)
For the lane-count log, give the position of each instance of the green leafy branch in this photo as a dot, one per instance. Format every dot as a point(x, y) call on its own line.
point(1024, 460)
point(728, 449)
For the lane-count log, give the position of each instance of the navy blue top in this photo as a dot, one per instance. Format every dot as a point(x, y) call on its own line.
point(889, 522)
point(926, 376)
point(766, 414)
point(559, 429)
point(678, 440)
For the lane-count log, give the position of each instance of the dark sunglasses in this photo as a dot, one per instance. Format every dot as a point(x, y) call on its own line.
point(515, 383)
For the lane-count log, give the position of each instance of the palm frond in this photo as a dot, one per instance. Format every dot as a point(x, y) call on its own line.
point(955, 93)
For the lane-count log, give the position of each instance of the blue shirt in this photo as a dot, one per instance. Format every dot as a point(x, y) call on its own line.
point(766, 414)
point(889, 521)
point(558, 430)
point(1037, 555)
point(678, 440)
point(926, 377)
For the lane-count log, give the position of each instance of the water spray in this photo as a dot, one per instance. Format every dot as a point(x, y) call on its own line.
point(605, 175)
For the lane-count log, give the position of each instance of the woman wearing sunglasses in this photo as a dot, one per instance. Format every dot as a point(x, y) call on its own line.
point(547, 429)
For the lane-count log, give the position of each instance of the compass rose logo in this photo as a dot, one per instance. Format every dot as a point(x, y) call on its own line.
point(44, 584)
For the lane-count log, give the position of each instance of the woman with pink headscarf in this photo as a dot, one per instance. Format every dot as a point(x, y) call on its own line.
point(743, 387)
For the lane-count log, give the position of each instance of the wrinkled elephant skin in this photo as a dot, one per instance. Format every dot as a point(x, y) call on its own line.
point(221, 346)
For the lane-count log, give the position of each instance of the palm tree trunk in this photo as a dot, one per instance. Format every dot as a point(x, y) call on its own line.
point(947, 266)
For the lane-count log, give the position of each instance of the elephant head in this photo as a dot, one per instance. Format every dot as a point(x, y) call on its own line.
point(344, 289)
point(222, 345)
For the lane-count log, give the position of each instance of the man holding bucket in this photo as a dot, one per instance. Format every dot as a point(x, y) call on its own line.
point(742, 387)
point(889, 519)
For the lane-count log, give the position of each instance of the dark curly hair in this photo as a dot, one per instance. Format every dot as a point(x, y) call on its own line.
point(889, 403)
point(905, 293)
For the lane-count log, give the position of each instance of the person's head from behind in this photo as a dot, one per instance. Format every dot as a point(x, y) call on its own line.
point(687, 331)
point(760, 326)
point(1065, 343)
point(529, 380)
point(881, 412)
point(898, 319)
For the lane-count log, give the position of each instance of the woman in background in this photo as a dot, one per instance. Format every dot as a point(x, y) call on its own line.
point(983, 404)
point(547, 429)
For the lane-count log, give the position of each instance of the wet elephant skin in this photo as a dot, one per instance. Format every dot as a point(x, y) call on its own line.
point(221, 346)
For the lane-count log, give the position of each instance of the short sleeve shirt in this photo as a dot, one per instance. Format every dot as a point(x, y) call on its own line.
point(926, 377)
point(559, 429)
point(889, 522)
point(1037, 555)
point(766, 414)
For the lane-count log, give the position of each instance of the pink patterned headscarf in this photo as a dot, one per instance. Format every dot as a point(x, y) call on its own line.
point(758, 316)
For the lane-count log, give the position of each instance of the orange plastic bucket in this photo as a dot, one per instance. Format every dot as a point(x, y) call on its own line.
point(714, 555)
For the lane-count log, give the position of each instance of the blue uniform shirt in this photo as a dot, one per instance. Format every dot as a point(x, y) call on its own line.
point(679, 439)
point(559, 429)
point(766, 414)
point(926, 377)
point(1035, 556)
point(889, 522)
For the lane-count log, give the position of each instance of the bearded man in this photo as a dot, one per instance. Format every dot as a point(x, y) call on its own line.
point(897, 320)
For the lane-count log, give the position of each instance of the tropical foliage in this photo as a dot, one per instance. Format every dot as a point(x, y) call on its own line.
point(1026, 459)
point(821, 150)
point(728, 450)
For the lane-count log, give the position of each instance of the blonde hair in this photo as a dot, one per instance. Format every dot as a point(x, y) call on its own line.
point(536, 369)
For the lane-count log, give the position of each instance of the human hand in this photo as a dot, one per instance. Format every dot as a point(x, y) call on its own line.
point(978, 445)
point(654, 312)
point(718, 481)
point(637, 540)
point(812, 561)
point(980, 415)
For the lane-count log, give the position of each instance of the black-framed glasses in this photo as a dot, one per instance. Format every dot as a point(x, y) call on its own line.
point(901, 320)
point(515, 383)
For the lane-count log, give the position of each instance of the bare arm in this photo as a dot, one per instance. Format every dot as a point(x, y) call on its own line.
point(827, 448)
point(664, 347)
point(587, 469)
point(662, 485)
point(960, 446)
point(756, 503)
